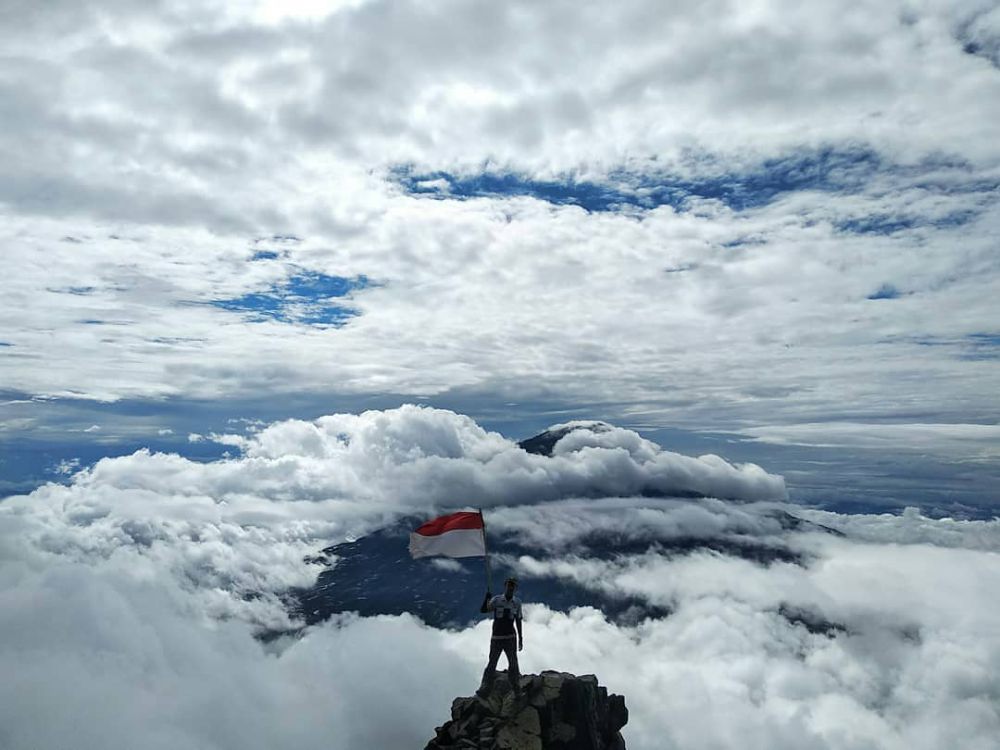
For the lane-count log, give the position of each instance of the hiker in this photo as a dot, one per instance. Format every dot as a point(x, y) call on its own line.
point(506, 609)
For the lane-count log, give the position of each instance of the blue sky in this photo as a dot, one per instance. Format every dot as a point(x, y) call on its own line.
point(305, 297)
point(846, 168)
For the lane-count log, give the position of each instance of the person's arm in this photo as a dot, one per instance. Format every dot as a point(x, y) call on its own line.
point(518, 623)
point(487, 603)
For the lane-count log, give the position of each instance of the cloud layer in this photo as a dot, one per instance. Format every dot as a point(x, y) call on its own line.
point(131, 597)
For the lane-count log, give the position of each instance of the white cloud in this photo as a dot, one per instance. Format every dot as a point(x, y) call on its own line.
point(245, 525)
point(67, 466)
point(911, 526)
point(968, 441)
point(442, 563)
point(271, 11)
point(188, 133)
point(774, 331)
point(393, 452)
point(129, 597)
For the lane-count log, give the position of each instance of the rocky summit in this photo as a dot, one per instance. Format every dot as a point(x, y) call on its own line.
point(555, 711)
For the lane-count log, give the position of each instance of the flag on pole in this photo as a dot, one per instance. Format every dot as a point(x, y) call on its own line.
point(455, 535)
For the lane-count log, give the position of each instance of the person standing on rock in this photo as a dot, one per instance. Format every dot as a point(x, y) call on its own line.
point(506, 609)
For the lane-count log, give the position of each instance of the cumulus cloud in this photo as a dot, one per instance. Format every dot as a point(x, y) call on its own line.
point(238, 530)
point(432, 454)
point(131, 598)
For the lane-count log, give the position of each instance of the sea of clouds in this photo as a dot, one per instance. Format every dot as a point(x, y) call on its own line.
point(132, 598)
point(165, 159)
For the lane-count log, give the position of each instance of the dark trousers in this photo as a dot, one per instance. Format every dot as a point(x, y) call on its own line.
point(509, 647)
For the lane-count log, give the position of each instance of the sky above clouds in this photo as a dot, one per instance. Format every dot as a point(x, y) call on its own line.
point(243, 238)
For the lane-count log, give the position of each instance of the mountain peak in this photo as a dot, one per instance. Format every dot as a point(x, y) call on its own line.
point(543, 443)
point(556, 711)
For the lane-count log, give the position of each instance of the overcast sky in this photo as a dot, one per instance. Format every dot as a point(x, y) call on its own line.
point(744, 217)
point(762, 238)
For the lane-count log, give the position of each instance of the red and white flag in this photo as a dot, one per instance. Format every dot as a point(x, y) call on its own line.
point(455, 535)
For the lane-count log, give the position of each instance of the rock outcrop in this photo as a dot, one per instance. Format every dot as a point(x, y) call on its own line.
point(556, 711)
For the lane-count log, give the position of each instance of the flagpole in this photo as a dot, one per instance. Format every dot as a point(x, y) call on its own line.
point(486, 557)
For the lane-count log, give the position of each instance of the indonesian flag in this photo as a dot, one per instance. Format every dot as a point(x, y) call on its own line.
point(456, 535)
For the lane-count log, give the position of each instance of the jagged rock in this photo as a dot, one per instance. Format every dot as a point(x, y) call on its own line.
point(556, 711)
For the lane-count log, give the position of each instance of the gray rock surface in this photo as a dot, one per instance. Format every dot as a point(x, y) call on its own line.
point(556, 711)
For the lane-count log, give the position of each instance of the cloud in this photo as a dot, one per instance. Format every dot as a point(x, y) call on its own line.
point(912, 527)
point(634, 81)
point(741, 323)
point(791, 163)
point(397, 449)
point(980, 34)
point(126, 659)
point(131, 597)
point(970, 442)
point(242, 527)
point(67, 466)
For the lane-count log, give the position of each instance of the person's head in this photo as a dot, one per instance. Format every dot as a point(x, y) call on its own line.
point(510, 585)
